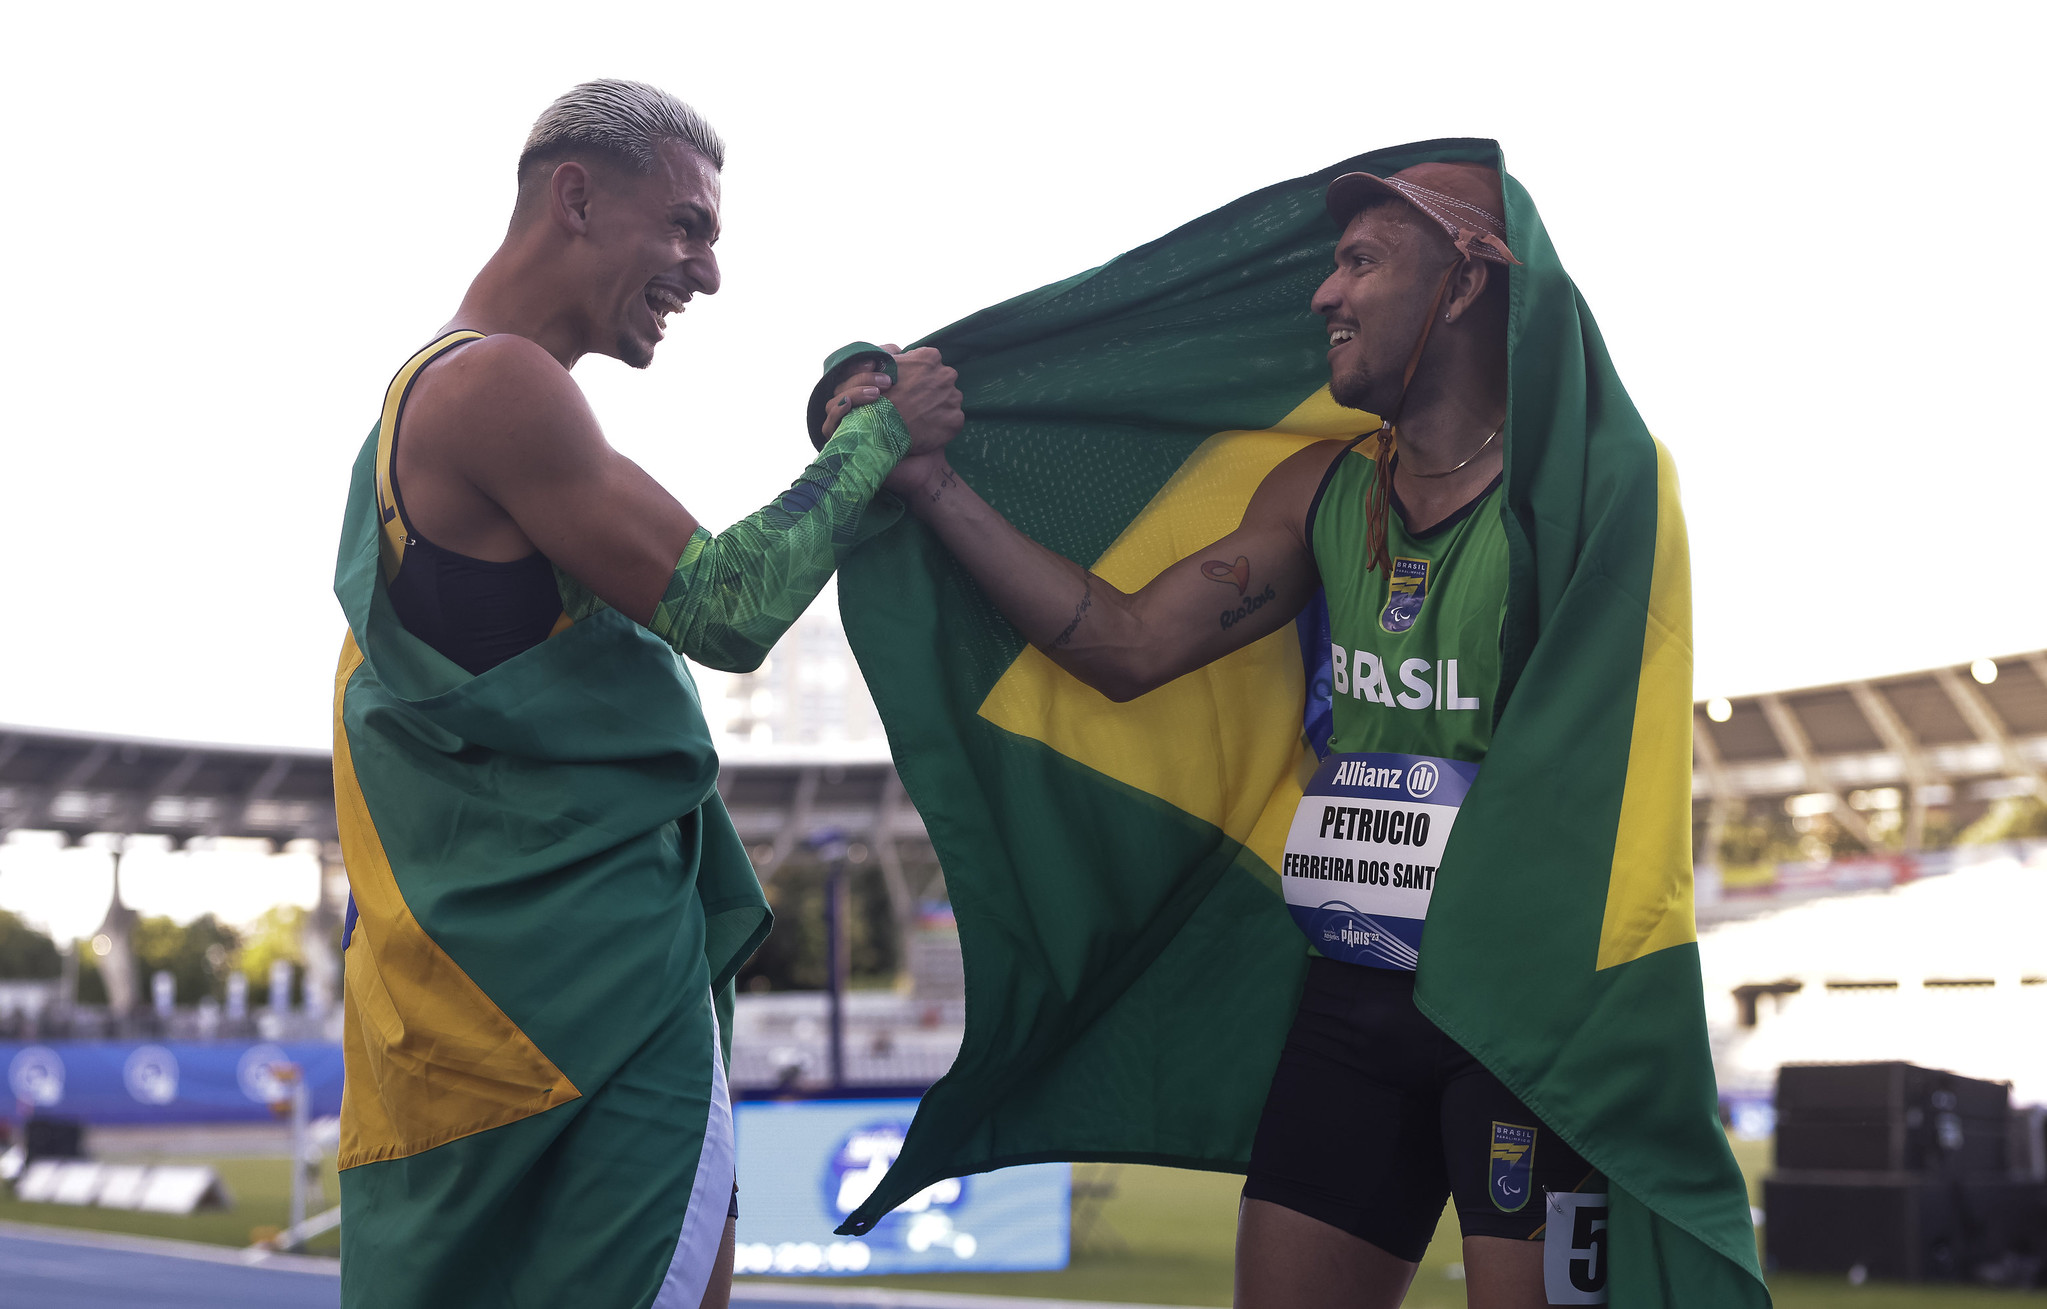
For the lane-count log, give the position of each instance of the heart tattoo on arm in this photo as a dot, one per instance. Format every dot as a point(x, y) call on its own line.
point(1238, 573)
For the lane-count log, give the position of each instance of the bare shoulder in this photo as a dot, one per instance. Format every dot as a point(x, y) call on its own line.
point(1290, 488)
point(502, 394)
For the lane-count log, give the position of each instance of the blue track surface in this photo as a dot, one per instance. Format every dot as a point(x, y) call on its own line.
point(52, 1274)
point(44, 1268)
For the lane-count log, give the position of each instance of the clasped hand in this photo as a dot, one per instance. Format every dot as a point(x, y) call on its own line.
point(924, 391)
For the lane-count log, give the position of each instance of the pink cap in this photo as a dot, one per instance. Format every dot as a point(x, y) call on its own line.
point(1464, 199)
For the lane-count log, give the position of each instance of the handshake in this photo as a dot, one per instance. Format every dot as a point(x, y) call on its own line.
point(925, 391)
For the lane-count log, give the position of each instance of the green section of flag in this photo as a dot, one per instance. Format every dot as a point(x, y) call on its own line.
point(1130, 970)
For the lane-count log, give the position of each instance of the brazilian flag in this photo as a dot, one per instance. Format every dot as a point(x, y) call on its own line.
point(548, 904)
point(1131, 969)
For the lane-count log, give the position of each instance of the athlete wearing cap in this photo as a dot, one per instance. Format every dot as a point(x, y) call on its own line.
point(1374, 1116)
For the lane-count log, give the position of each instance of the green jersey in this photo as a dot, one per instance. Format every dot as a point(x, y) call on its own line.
point(1414, 657)
point(1414, 668)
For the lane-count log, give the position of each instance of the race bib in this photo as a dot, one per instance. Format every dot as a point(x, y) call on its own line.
point(1574, 1248)
point(1361, 857)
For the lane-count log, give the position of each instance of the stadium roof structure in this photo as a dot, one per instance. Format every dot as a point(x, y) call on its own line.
point(1941, 738)
point(1957, 738)
point(78, 784)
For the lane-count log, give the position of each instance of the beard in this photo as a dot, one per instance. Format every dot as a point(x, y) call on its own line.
point(633, 352)
point(1357, 389)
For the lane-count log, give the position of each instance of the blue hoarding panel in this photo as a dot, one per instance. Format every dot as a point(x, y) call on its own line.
point(167, 1082)
point(805, 1165)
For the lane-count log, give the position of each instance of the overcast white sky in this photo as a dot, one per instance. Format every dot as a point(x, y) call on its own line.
point(1810, 233)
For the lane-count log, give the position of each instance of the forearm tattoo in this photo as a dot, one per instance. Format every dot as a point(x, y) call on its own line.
point(947, 480)
point(1087, 600)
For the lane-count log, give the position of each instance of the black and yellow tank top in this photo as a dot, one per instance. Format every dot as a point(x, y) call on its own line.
point(476, 612)
point(1414, 657)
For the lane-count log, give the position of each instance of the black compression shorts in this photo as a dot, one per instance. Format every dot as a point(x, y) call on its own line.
point(1375, 1117)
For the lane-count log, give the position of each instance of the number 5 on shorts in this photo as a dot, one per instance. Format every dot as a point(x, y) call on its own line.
point(1574, 1248)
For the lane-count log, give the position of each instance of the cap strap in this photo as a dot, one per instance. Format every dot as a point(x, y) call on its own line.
point(1378, 504)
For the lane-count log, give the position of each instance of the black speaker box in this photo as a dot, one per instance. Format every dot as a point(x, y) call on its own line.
point(2028, 1146)
point(53, 1138)
point(1907, 1227)
point(1891, 1117)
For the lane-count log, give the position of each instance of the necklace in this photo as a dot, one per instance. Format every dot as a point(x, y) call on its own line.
point(1411, 472)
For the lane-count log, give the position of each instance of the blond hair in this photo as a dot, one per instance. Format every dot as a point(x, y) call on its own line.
point(618, 121)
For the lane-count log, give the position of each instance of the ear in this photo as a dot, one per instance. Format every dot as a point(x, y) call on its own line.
point(568, 197)
point(1467, 284)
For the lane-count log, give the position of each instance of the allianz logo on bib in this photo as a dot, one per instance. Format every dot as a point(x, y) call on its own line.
point(1428, 685)
point(1422, 779)
point(1354, 772)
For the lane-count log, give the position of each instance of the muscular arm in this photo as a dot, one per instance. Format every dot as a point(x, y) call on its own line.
point(730, 597)
point(1245, 586)
point(503, 456)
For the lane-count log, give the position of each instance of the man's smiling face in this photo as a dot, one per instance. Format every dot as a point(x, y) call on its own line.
point(1388, 263)
point(655, 234)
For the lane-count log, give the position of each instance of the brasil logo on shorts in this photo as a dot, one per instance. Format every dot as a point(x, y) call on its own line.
point(1405, 591)
point(1513, 1159)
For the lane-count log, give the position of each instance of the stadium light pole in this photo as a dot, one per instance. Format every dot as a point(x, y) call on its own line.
point(830, 845)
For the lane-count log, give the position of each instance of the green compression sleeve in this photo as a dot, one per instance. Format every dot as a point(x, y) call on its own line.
point(734, 594)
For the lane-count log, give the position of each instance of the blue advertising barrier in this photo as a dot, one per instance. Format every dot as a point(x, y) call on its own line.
point(168, 1082)
point(805, 1165)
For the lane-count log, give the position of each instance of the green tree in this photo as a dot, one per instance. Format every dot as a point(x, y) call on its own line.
point(25, 952)
point(92, 984)
point(2009, 819)
point(196, 954)
point(1765, 837)
point(276, 935)
point(793, 957)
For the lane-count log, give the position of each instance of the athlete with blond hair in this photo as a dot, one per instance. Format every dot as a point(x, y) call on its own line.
point(548, 900)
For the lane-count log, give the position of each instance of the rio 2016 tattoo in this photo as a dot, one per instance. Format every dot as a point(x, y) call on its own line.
point(1252, 604)
point(1087, 600)
point(1238, 575)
